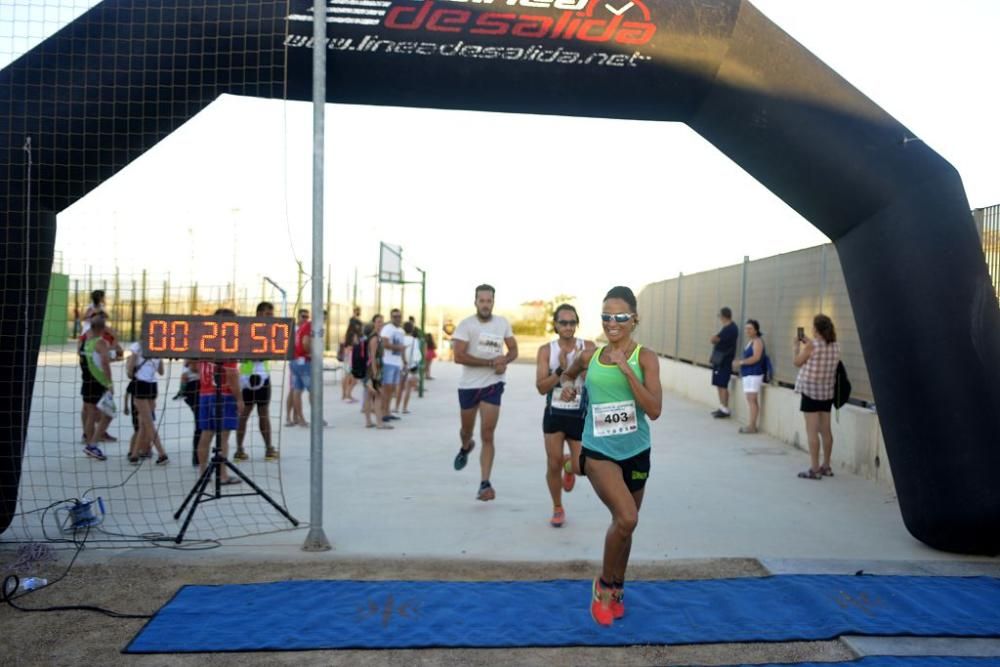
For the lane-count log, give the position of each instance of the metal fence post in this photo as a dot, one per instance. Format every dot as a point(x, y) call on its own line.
point(822, 277)
point(677, 319)
point(133, 313)
point(316, 540)
point(743, 297)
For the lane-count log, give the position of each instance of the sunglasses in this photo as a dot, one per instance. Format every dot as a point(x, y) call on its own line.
point(617, 317)
point(567, 323)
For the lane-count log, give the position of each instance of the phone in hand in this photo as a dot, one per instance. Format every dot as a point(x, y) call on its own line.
point(801, 333)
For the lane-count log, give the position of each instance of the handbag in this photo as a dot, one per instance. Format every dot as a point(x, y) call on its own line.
point(841, 386)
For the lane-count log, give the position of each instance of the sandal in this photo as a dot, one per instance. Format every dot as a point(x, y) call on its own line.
point(809, 473)
point(746, 430)
point(385, 427)
point(231, 480)
point(825, 471)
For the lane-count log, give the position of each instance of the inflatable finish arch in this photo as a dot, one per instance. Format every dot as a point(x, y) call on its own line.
point(110, 85)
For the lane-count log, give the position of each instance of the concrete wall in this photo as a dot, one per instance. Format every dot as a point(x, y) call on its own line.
point(857, 436)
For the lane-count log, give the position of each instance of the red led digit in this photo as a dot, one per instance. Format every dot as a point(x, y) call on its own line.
point(279, 343)
point(258, 338)
point(207, 338)
point(180, 339)
point(157, 328)
point(230, 333)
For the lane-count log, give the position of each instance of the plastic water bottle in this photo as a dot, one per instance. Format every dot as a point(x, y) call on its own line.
point(32, 583)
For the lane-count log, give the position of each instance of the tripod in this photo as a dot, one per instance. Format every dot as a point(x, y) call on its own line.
point(197, 495)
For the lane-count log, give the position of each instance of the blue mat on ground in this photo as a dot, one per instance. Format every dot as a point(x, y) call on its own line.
point(302, 615)
point(894, 661)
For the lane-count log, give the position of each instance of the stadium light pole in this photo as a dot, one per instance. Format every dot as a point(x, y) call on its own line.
point(316, 539)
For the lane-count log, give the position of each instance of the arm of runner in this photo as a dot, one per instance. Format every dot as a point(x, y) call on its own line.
point(511, 350)
point(544, 380)
point(648, 393)
point(577, 368)
point(130, 367)
point(463, 357)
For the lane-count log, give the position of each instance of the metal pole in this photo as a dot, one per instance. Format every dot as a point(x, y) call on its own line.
point(316, 539)
point(133, 329)
point(743, 298)
point(677, 320)
point(329, 308)
point(423, 330)
point(822, 278)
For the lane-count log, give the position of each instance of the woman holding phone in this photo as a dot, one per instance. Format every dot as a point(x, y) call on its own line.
point(622, 389)
point(816, 358)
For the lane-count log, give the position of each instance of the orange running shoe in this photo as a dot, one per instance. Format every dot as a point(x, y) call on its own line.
point(600, 604)
point(569, 479)
point(618, 603)
point(558, 517)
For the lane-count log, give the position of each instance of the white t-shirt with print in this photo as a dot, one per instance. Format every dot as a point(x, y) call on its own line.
point(395, 335)
point(486, 341)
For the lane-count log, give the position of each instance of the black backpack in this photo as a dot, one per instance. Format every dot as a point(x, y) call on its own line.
point(359, 358)
point(841, 387)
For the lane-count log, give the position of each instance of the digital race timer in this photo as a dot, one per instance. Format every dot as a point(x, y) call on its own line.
point(217, 337)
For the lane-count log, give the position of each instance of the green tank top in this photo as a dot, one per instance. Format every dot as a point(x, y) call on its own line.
point(248, 368)
point(94, 362)
point(615, 424)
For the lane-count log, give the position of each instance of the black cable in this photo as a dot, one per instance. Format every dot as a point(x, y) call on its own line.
point(11, 583)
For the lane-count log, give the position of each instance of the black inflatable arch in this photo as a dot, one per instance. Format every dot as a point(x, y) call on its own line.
point(124, 75)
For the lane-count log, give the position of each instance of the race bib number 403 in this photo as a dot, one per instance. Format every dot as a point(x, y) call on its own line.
point(614, 419)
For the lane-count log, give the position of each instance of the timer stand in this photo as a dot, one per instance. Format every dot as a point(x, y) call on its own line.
point(197, 495)
point(215, 339)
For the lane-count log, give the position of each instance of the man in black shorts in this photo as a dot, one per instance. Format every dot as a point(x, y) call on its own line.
point(255, 383)
point(562, 422)
point(723, 352)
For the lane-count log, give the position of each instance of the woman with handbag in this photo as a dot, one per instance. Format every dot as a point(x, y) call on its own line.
point(817, 358)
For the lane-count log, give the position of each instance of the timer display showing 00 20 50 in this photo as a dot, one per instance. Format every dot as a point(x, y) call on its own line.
point(217, 337)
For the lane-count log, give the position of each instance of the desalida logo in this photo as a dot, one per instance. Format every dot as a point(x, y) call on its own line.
point(621, 21)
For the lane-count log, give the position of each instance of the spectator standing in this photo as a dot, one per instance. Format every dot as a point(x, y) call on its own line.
point(723, 353)
point(816, 358)
point(142, 372)
point(411, 372)
point(301, 369)
point(430, 356)
point(352, 341)
point(751, 368)
point(393, 361)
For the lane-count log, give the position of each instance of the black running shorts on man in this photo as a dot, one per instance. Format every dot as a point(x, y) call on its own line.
point(470, 398)
point(259, 396)
point(571, 427)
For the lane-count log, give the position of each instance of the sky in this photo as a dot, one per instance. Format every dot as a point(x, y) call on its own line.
point(469, 211)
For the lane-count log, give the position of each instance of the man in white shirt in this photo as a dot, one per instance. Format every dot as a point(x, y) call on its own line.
point(393, 342)
point(479, 344)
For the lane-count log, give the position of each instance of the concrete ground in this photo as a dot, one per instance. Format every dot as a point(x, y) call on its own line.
point(717, 504)
point(713, 493)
